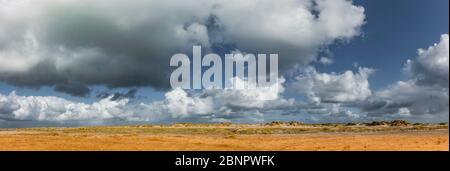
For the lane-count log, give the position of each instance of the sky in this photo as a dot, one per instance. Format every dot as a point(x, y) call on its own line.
point(65, 63)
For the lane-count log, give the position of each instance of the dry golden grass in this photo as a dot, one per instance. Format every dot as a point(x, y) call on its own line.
point(229, 137)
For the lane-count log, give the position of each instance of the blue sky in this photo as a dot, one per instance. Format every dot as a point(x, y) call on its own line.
point(392, 34)
point(382, 38)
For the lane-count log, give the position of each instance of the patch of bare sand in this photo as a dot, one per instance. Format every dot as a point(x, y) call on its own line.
point(57, 140)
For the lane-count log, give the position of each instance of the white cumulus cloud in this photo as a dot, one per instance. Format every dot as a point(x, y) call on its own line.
point(334, 87)
point(178, 104)
point(424, 95)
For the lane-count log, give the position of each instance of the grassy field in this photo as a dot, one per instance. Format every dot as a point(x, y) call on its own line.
point(271, 136)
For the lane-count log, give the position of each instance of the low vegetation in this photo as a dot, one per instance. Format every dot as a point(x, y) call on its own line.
point(275, 127)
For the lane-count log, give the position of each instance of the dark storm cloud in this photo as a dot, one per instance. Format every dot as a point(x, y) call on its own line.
point(73, 89)
point(118, 96)
point(71, 45)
